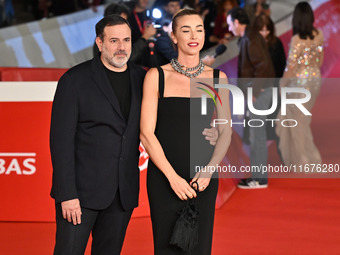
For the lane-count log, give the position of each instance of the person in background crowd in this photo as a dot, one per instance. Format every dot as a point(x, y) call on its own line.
point(159, 3)
point(196, 5)
point(209, 23)
point(303, 70)
point(253, 10)
point(6, 13)
point(117, 9)
point(265, 26)
point(254, 62)
point(221, 31)
point(61, 7)
point(2, 7)
point(44, 8)
point(170, 8)
point(241, 3)
point(139, 20)
point(142, 28)
point(191, 4)
point(164, 45)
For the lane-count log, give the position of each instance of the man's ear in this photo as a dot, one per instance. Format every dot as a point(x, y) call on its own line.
point(236, 23)
point(99, 43)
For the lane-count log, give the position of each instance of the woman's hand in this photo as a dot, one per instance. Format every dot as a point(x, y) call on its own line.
point(182, 189)
point(203, 180)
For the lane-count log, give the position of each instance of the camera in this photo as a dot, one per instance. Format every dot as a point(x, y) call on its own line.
point(154, 16)
point(265, 6)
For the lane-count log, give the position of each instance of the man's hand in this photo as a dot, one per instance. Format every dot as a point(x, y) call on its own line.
point(71, 211)
point(211, 134)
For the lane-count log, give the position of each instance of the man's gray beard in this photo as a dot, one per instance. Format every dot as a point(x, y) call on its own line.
point(115, 64)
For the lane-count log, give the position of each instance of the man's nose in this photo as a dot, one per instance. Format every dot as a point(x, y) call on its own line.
point(121, 46)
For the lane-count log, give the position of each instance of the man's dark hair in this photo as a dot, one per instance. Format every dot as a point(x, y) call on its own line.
point(239, 14)
point(111, 20)
point(303, 19)
point(117, 9)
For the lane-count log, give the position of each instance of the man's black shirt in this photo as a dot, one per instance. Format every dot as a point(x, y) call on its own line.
point(121, 85)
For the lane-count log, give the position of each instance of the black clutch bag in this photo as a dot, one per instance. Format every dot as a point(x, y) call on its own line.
point(185, 232)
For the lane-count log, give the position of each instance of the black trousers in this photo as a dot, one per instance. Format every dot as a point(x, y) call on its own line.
point(108, 228)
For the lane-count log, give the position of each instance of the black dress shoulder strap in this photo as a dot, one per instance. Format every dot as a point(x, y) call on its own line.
point(160, 82)
point(216, 77)
point(216, 73)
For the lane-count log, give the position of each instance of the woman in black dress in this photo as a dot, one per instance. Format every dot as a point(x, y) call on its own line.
point(167, 132)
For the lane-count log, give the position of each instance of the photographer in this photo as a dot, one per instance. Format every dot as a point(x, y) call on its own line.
point(170, 8)
point(141, 28)
point(257, 8)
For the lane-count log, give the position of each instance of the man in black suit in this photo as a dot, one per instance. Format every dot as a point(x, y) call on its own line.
point(94, 143)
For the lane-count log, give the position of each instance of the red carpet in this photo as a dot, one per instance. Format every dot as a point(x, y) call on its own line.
point(292, 216)
point(298, 216)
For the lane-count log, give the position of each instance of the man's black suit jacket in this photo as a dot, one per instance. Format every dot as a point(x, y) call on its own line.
point(93, 150)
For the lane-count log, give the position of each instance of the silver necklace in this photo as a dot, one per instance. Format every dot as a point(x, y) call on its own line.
point(179, 68)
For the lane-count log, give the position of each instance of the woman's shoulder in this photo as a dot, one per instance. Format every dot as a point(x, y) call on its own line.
point(166, 67)
point(297, 42)
point(208, 68)
point(318, 33)
point(222, 74)
point(295, 38)
point(152, 71)
point(157, 69)
point(209, 72)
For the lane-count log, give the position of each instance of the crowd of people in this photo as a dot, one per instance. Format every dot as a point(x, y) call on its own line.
point(105, 106)
point(6, 13)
